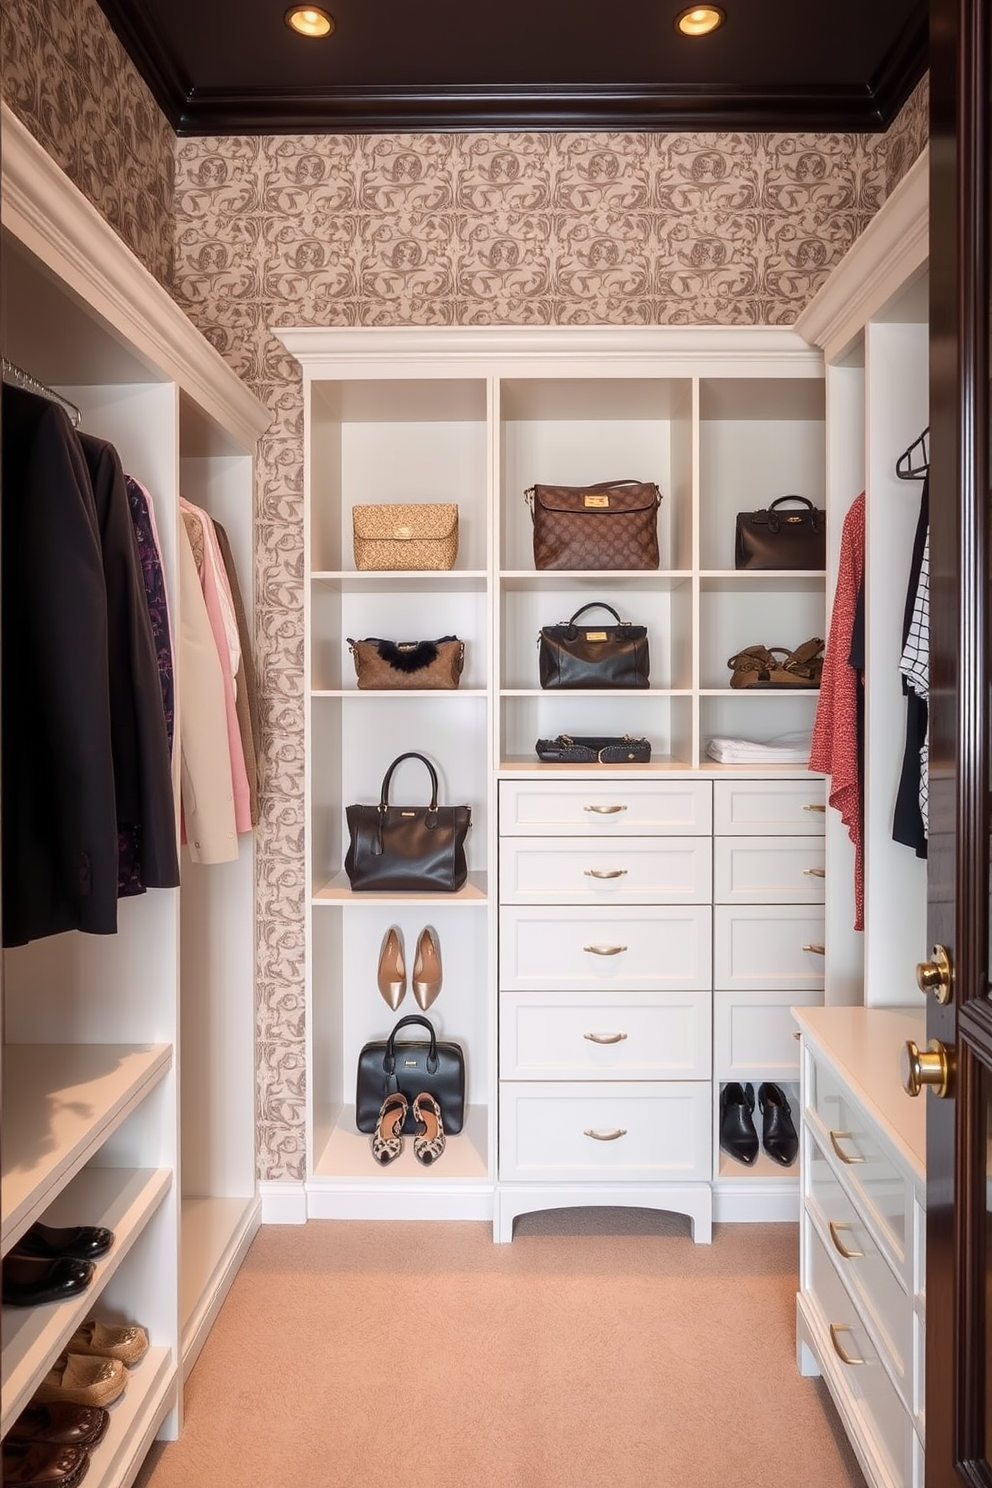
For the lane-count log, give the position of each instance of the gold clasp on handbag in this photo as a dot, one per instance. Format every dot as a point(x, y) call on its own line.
point(589, 499)
point(596, 635)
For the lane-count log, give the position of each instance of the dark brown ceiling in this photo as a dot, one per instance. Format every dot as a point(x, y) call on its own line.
point(233, 66)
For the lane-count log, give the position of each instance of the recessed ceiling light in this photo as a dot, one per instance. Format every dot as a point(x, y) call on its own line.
point(309, 21)
point(699, 20)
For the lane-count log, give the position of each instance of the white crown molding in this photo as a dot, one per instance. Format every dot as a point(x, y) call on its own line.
point(892, 248)
point(50, 216)
point(673, 350)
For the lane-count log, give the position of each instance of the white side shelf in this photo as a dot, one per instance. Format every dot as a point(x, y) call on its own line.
point(216, 1234)
point(134, 1421)
point(60, 1104)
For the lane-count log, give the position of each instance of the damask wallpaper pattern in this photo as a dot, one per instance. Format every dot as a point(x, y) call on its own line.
point(430, 229)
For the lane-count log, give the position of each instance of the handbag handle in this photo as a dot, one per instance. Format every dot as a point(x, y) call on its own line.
point(389, 1058)
point(773, 524)
point(596, 604)
point(410, 754)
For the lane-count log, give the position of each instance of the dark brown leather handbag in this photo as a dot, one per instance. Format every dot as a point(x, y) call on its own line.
point(400, 848)
point(408, 665)
point(610, 525)
point(385, 1066)
point(599, 750)
point(780, 536)
point(571, 655)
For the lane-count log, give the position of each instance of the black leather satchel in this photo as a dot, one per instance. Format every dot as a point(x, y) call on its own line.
point(777, 537)
point(385, 1066)
point(571, 655)
point(415, 848)
point(566, 750)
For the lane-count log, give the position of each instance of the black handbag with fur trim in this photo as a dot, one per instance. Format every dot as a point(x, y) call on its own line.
point(408, 664)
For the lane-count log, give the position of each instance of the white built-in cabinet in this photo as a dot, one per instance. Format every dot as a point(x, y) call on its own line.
point(128, 1060)
point(704, 864)
point(861, 1305)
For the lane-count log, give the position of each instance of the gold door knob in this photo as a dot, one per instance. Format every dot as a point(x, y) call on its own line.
point(935, 1068)
point(936, 975)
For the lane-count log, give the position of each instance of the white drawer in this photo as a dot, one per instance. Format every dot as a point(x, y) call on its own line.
point(886, 1426)
point(768, 870)
point(632, 870)
point(595, 1133)
point(636, 807)
point(783, 808)
point(864, 1166)
point(624, 1036)
point(881, 1296)
point(761, 947)
point(625, 946)
point(754, 1035)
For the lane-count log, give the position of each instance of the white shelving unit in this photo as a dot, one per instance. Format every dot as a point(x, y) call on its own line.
point(128, 1059)
point(723, 420)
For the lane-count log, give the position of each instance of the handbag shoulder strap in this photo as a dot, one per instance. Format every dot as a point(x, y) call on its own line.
point(410, 754)
point(596, 604)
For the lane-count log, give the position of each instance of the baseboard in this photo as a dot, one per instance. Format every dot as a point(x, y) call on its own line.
point(756, 1203)
point(283, 1203)
point(416, 1201)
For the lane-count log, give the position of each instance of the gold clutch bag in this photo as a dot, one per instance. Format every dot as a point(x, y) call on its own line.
point(405, 535)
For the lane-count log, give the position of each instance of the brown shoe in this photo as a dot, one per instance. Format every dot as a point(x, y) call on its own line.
point(43, 1465)
point(60, 1423)
point(129, 1343)
point(83, 1380)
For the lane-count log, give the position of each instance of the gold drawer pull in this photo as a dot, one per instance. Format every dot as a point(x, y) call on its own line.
point(815, 872)
point(605, 872)
point(839, 1246)
point(839, 1348)
point(613, 1136)
point(605, 1038)
point(605, 810)
point(818, 950)
point(812, 807)
point(845, 1157)
point(604, 950)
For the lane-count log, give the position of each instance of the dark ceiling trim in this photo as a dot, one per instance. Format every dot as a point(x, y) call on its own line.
point(904, 66)
point(442, 110)
point(170, 86)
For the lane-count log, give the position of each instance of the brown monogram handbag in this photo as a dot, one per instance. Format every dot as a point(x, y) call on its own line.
point(610, 525)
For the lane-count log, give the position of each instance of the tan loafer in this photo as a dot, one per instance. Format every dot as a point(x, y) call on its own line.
point(83, 1380)
point(128, 1343)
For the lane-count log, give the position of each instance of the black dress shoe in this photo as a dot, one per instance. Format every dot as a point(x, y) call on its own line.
point(29, 1279)
point(60, 1423)
point(778, 1135)
point(84, 1242)
point(738, 1137)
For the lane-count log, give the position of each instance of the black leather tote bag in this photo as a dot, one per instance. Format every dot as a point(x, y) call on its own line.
point(385, 1066)
point(782, 537)
point(416, 848)
point(572, 655)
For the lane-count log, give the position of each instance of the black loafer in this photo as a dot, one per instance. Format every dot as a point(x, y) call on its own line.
point(84, 1242)
point(738, 1137)
point(29, 1279)
point(778, 1135)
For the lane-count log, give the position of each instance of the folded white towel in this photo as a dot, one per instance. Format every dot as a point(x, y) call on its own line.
point(784, 749)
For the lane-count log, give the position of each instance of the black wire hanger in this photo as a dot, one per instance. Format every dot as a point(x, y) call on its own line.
point(914, 463)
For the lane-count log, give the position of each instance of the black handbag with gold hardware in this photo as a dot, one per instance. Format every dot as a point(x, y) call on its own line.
point(385, 1066)
point(569, 750)
point(399, 848)
point(572, 655)
point(777, 537)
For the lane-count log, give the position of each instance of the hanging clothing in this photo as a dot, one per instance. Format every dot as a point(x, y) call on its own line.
point(836, 750)
point(909, 824)
point(156, 595)
point(245, 686)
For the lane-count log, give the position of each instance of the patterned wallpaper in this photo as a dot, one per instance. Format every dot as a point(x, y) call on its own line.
point(667, 229)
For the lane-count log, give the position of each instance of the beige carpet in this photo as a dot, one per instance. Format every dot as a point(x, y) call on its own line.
point(601, 1349)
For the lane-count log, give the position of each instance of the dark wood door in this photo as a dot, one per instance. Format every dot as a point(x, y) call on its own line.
point(959, 1126)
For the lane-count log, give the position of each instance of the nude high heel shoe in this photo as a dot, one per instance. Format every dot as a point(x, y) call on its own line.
point(427, 968)
point(392, 968)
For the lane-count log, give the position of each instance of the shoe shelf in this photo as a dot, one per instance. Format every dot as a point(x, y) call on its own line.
point(135, 1419)
point(343, 1152)
point(216, 1234)
point(123, 1200)
point(60, 1104)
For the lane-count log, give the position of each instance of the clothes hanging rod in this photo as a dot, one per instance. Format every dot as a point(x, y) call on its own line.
point(17, 377)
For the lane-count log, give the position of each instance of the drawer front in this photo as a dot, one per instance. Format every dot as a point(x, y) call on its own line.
point(887, 1424)
point(583, 1036)
point(879, 1293)
point(572, 949)
point(599, 1133)
point(768, 870)
point(864, 1166)
point(683, 808)
point(783, 808)
point(754, 1034)
point(634, 870)
point(760, 948)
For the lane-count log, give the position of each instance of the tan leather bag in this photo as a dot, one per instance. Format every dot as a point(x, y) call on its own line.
point(613, 524)
point(408, 664)
point(411, 535)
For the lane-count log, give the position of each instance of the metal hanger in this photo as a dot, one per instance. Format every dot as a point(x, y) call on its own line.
point(914, 462)
point(17, 377)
